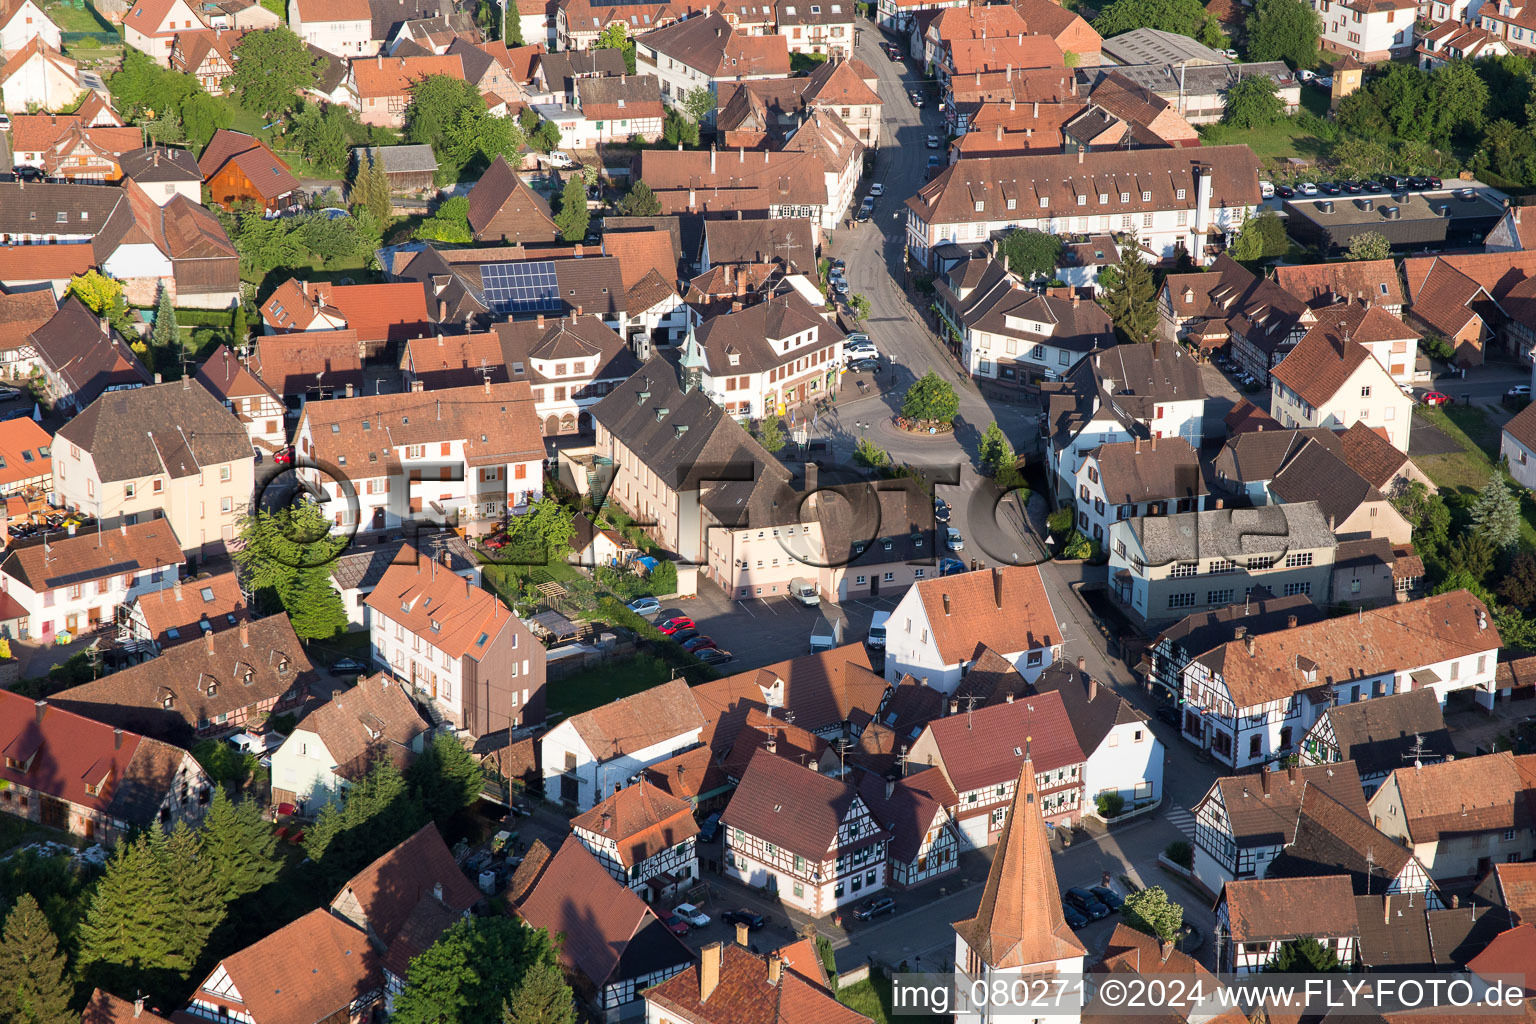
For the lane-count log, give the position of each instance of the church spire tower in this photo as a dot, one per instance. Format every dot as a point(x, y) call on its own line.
point(692, 363)
point(1019, 927)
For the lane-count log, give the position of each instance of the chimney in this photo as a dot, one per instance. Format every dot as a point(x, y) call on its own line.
point(1093, 689)
point(954, 707)
point(154, 159)
point(158, 379)
point(1264, 781)
point(1079, 154)
point(890, 787)
point(138, 1006)
point(176, 586)
point(1075, 298)
point(771, 745)
point(1292, 773)
point(117, 739)
point(712, 155)
point(208, 642)
point(245, 634)
point(1082, 663)
point(418, 385)
point(775, 968)
point(997, 586)
point(437, 891)
point(946, 604)
point(349, 390)
point(1165, 949)
point(1154, 441)
point(442, 310)
point(540, 321)
point(1290, 622)
point(42, 709)
point(1455, 901)
point(999, 131)
point(1248, 643)
point(741, 933)
point(709, 969)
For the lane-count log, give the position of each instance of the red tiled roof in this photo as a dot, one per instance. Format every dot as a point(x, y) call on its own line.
point(1005, 608)
point(265, 169)
point(453, 614)
point(106, 1008)
point(639, 720)
point(382, 77)
point(794, 807)
point(20, 263)
point(1513, 952)
point(291, 364)
point(820, 689)
point(185, 606)
point(985, 747)
point(641, 820)
point(1289, 908)
point(308, 971)
point(34, 133)
point(380, 312)
point(744, 995)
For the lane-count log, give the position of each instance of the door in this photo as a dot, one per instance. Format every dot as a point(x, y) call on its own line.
point(72, 622)
point(874, 584)
point(55, 812)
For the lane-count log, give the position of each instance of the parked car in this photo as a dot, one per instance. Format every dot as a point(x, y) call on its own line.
point(1436, 398)
point(715, 656)
point(709, 827)
point(935, 161)
point(865, 366)
point(1266, 190)
point(1229, 54)
point(950, 566)
point(838, 264)
point(1434, 182)
point(1351, 187)
point(933, 142)
point(684, 635)
point(1374, 187)
point(697, 644)
point(1328, 188)
point(1519, 391)
point(283, 456)
point(1307, 188)
point(1285, 192)
point(874, 908)
point(26, 172)
point(350, 667)
point(940, 510)
point(692, 914)
point(877, 189)
point(1169, 713)
point(750, 918)
point(676, 625)
point(256, 454)
point(1085, 901)
point(676, 925)
point(1326, 81)
point(1075, 918)
point(1306, 76)
point(1107, 896)
point(916, 98)
point(5, 122)
point(645, 607)
point(954, 540)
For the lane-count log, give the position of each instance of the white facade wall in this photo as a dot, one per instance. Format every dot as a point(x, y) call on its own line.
point(910, 648)
point(1130, 762)
point(1368, 396)
point(27, 23)
point(63, 608)
point(563, 745)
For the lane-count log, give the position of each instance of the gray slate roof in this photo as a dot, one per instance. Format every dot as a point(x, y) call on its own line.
point(172, 164)
point(1232, 532)
point(404, 159)
point(363, 568)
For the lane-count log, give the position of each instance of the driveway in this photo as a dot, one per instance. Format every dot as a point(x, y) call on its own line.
point(762, 631)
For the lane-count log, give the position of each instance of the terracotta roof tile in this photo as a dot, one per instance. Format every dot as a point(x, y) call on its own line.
point(382, 77)
point(1517, 888)
point(691, 775)
point(185, 607)
point(1267, 909)
point(819, 689)
point(1006, 608)
point(641, 820)
point(1261, 809)
point(790, 742)
point(93, 555)
point(450, 612)
point(908, 807)
point(1513, 952)
point(310, 970)
point(743, 994)
point(357, 725)
point(984, 747)
point(794, 807)
point(294, 364)
point(1522, 427)
point(1473, 794)
point(266, 171)
point(22, 263)
point(1331, 839)
point(24, 452)
point(639, 720)
point(1326, 284)
point(1445, 298)
point(1370, 455)
point(501, 200)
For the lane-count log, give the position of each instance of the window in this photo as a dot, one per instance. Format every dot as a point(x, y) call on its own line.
point(128, 491)
point(225, 474)
point(1365, 392)
point(1298, 559)
point(1125, 197)
point(1181, 600)
point(1292, 589)
point(1219, 597)
point(1184, 570)
point(1146, 197)
point(1179, 194)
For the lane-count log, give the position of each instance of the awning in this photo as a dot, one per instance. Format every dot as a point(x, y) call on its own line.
point(1424, 677)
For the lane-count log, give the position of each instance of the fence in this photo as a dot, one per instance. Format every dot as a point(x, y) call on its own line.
point(76, 40)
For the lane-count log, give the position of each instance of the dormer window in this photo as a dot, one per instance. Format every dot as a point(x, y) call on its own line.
point(1125, 197)
point(213, 688)
point(436, 626)
point(1082, 200)
point(1045, 201)
point(980, 205)
point(1179, 194)
point(1146, 197)
point(1103, 198)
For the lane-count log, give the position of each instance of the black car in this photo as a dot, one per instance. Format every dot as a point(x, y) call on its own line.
point(1435, 182)
point(1328, 188)
point(684, 636)
point(1075, 918)
point(1395, 182)
point(27, 173)
point(1107, 896)
point(1168, 713)
point(708, 827)
point(940, 510)
point(349, 667)
point(1285, 192)
point(714, 656)
point(1417, 183)
point(874, 908)
point(752, 920)
point(1086, 901)
point(1351, 187)
point(1375, 187)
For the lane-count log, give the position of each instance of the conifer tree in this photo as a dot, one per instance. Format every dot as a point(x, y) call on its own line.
point(445, 777)
point(127, 941)
point(543, 997)
point(1130, 295)
point(199, 906)
point(240, 846)
point(34, 983)
point(370, 189)
point(166, 335)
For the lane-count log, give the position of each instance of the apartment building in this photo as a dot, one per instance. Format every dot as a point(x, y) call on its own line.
point(471, 455)
point(765, 359)
point(457, 646)
point(1172, 200)
point(1253, 699)
point(702, 51)
point(1368, 30)
point(1164, 567)
point(169, 450)
point(1130, 480)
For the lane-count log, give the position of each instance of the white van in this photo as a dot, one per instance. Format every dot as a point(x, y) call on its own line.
point(559, 158)
point(804, 591)
point(877, 630)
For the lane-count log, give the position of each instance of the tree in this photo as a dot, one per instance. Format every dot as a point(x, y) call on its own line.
point(370, 188)
point(201, 116)
point(543, 997)
point(437, 102)
point(285, 559)
point(867, 453)
point(96, 290)
point(472, 972)
point(1031, 254)
point(1253, 103)
point(34, 983)
point(994, 449)
point(1518, 586)
point(640, 202)
point(678, 130)
point(930, 400)
point(1182, 17)
point(265, 244)
point(771, 436)
point(271, 69)
point(128, 941)
point(1284, 30)
point(1261, 238)
point(1304, 956)
point(616, 37)
point(541, 533)
point(449, 224)
point(1496, 514)
point(1471, 553)
point(860, 307)
point(699, 105)
point(1152, 912)
point(199, 904)
point(240, 846)
point(380, 814)
point(573, 218)
point(322, 134)
point(1427, 513)
point(167, 334)
point(445, 777)
point(514, 30)
point(1130, 295)
point(547, 138)
point(1369, 245)
point(223, 764)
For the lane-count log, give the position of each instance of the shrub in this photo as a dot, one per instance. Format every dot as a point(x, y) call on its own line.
point(1110, 805)
point(1060, 521)
point(1181, 853)
point(1075, 546)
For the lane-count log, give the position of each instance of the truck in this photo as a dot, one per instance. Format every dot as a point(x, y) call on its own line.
point(877, 630)
point(826, 634)
point(805, 591)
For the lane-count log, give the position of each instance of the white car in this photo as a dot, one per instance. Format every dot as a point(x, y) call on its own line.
point(692, 914)
point(1267, 190)
point(1306, 76)
point(954, 540)
point(5, 122)
point(877, 190)
point(1519, 391)
point(933, 142)
point(864, 349)
point(1307, 188)
point(558, 158)
point(1229, 54)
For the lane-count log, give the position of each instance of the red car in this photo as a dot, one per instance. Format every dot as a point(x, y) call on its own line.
point(674, 625)
point(1436, 398)
point(676, 925)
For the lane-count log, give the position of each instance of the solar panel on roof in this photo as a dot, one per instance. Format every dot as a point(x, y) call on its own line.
point(69, 579)
point(527, 287)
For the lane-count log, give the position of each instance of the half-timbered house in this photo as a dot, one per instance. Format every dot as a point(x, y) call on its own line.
point(1244, 821)
point(643, 837)
point(1256, 917)
point(1178, 645)
point(805, 837)
point(1380, 736)
point(916, 812)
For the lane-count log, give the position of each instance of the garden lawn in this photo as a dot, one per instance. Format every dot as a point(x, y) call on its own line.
point(77, 19)
point(1286, 139)
point(604, 683)
point(1467, 472)
point(872, 998)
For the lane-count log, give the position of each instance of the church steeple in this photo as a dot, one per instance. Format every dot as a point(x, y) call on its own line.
point(693, 364)
point(1019, 923)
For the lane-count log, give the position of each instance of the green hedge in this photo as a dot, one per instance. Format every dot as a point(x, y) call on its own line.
point(205, 317)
